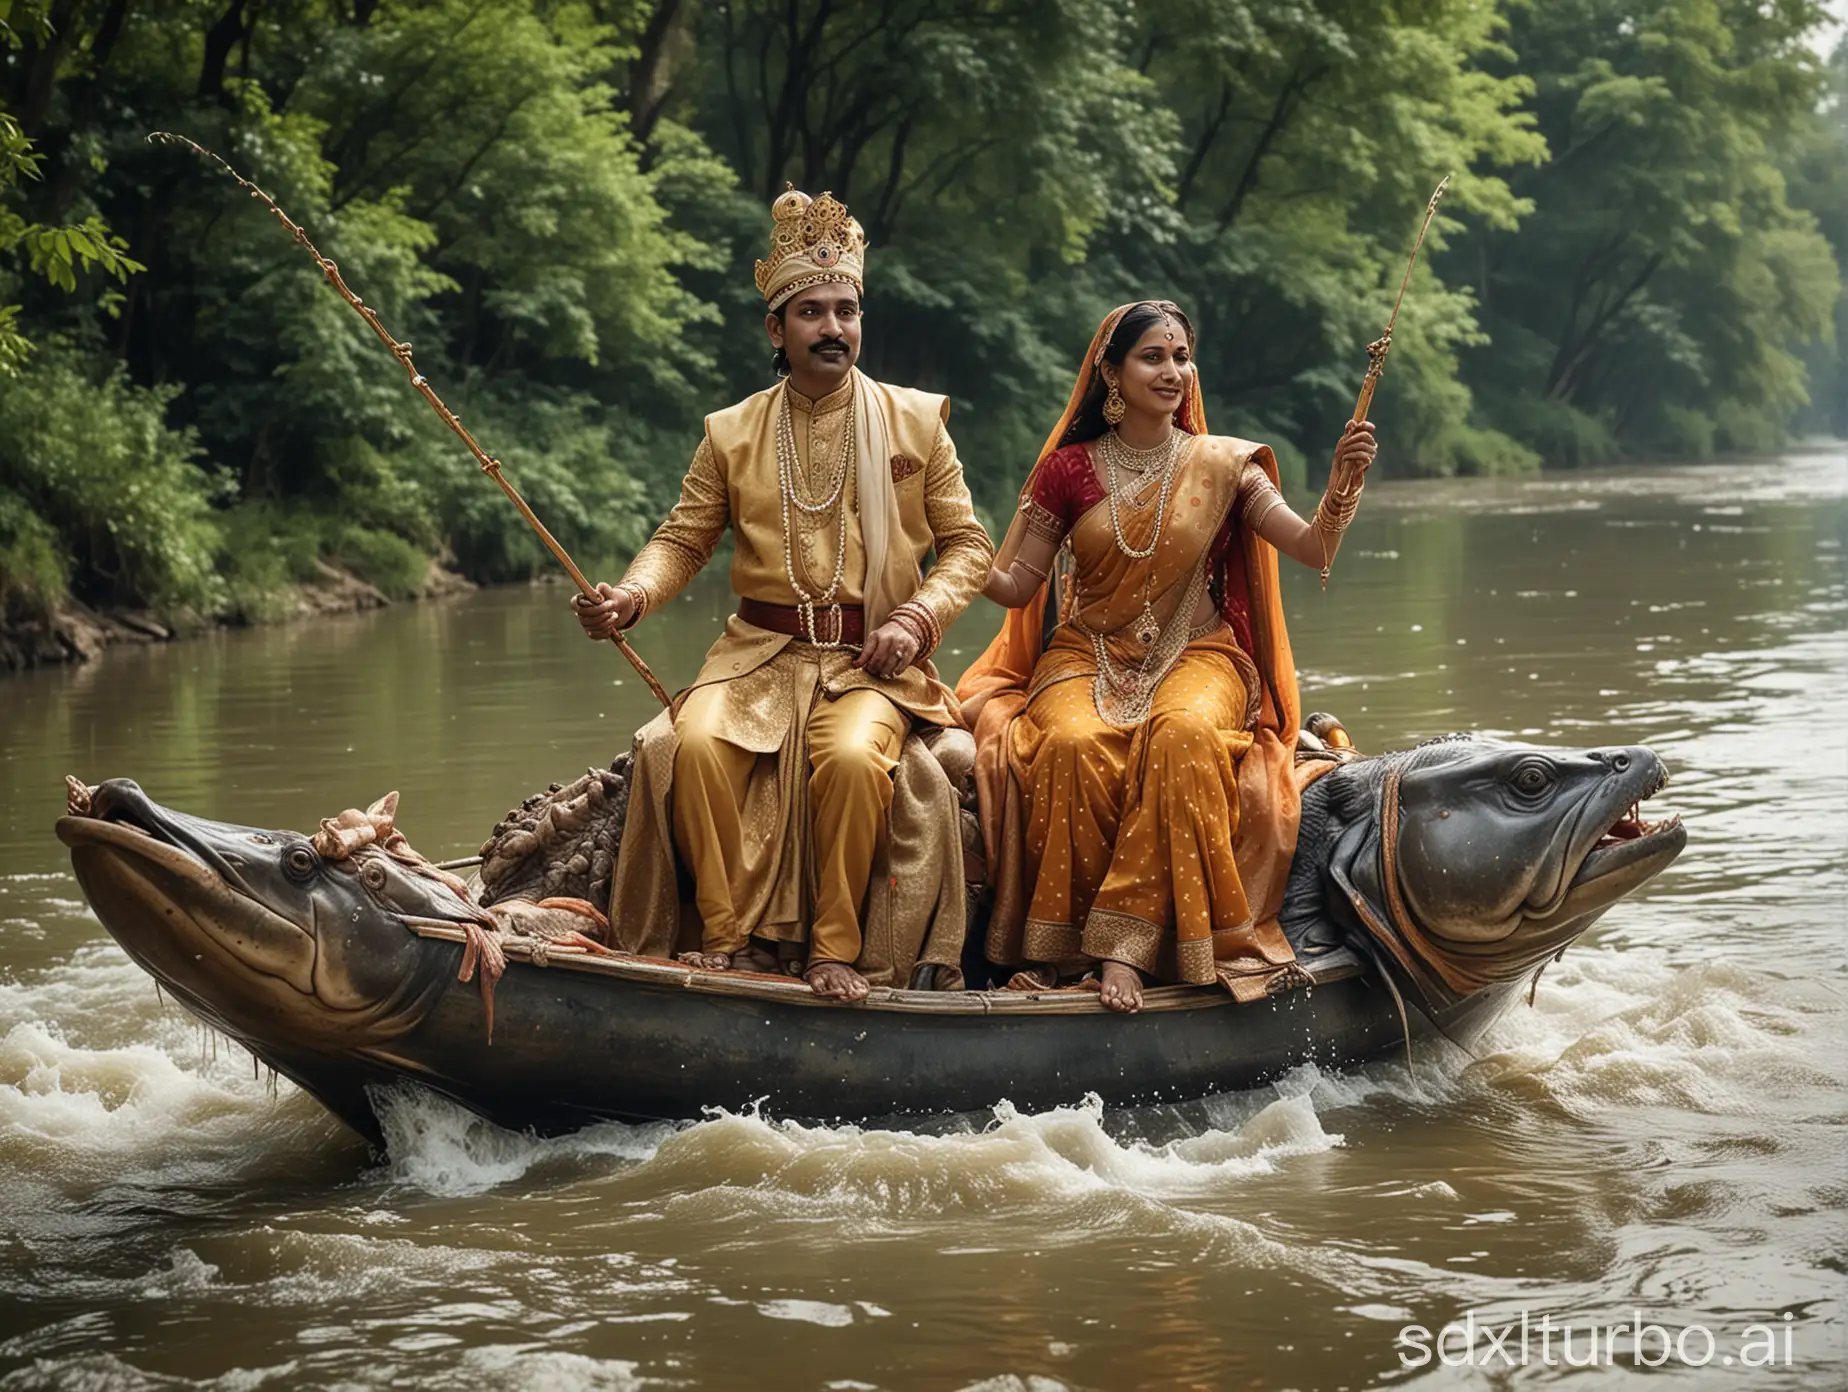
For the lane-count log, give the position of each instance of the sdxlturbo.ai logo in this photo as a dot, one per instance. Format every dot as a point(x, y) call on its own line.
point(1581, 1343)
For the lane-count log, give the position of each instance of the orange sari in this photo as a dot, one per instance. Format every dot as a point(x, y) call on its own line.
point(1155, 832)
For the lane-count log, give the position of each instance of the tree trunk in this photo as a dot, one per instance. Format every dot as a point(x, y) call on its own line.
point(651, 80)
point(220, 40)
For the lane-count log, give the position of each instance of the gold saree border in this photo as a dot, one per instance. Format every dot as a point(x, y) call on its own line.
point(1045, 941)
point(1124, 937)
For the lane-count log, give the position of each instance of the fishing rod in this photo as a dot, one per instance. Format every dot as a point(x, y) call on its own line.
point(1381, 346)
point(402, 352)
point(1346, 497)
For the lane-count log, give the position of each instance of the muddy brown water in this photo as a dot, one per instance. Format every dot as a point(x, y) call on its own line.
point(1662, 1134)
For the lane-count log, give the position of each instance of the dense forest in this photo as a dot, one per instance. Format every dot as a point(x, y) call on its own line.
point(558, 202)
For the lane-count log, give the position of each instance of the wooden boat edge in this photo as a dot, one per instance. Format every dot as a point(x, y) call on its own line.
point(751, 985)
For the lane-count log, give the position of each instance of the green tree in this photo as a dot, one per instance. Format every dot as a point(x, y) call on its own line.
point(1818, 174)
point(1311, 137)
point(1655, 298)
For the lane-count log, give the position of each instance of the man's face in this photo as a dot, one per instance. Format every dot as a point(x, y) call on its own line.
point(820, 330)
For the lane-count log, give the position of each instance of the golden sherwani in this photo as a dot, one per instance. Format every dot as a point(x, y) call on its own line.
point(778, 773)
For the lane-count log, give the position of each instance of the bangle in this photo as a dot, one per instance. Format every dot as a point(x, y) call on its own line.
point(1334, 514)
point(913, 630)
point(1042, 522)
point(640, 598)
point(917, 620)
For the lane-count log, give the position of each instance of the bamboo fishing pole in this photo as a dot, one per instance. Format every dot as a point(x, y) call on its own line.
point(402, 352)
point(1378, 349)
point(1346, 497)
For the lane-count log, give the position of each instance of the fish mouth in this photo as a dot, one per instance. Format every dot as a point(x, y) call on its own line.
point(1627, 850)
point(178, 904)
point(120, 812)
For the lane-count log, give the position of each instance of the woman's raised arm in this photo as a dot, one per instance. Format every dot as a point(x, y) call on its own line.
point(1316, 541)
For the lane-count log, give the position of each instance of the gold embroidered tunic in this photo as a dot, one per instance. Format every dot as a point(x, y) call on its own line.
point(755, 781)
point(733, 482)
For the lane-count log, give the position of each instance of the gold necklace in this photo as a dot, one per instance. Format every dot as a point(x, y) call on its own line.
point(1110, 443)
point(1131, 457)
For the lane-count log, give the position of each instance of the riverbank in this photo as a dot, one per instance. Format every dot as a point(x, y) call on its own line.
point(73, 632)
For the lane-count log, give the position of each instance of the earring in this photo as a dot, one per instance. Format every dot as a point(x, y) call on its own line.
point(1113, 405)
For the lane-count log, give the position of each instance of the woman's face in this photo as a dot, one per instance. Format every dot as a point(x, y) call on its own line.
point(1158, 373)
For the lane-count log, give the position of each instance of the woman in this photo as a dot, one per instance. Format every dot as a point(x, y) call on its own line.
point(1135, 766)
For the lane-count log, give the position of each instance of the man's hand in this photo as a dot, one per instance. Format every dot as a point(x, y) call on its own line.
point(1354, 455)
point(607, 615)
point(889, 650)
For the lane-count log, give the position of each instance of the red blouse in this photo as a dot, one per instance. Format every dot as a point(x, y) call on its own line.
point(1067, 487)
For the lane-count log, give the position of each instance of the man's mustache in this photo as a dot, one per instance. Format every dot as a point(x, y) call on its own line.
point(823, 344)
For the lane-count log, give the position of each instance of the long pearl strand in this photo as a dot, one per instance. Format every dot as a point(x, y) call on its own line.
point(788, 470)
point(1113, 450)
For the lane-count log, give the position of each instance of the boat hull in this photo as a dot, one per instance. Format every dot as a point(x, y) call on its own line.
point(572, 1047)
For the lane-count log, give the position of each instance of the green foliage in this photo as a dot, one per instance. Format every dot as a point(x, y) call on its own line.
point(57, 254)
point(1312, 137)
point(95, 462)
point(1658, 295)
point(264, 551)
point(1818, 184)
point(267, 550)
point(33, 574)
point(559, 203)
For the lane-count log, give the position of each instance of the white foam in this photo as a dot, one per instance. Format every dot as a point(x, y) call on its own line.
point(821, 1312)
point(522, 1366)
point(105, 1372)
point(442, 1148)
point(1630, 1029)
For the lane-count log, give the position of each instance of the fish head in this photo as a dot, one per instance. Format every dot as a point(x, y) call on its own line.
point(262, 932)
point(1495, 837)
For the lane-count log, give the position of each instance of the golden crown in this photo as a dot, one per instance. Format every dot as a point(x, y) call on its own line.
point(812, 241)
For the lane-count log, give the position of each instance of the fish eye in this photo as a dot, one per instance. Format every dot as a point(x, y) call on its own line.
point(373, 875)
point(299, 862)
point(1532, 777)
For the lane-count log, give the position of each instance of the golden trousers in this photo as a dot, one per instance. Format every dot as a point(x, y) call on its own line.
point(1129, 831)
point(854, 742)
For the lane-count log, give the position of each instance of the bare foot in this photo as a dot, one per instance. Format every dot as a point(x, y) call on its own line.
point(706, 961)
point(836, 981)
point(1122, 989)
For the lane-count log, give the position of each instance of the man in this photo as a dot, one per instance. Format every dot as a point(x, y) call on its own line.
point(836, 488)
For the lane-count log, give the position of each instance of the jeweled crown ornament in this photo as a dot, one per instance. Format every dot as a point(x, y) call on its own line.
point(812, 241)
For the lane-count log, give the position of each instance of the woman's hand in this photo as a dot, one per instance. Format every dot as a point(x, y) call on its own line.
point(1354, 455)
point(607, 615)
point(889, 650)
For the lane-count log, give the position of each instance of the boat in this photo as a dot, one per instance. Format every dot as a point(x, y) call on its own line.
point(351, 975)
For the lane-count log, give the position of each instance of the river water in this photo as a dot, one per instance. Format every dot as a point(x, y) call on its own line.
point(1663, 1133)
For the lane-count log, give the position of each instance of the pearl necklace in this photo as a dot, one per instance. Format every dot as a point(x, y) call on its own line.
point(1116, 455)
point(788, 471)
point(786, 438)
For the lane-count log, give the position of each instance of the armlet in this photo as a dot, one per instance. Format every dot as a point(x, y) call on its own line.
point(1042, 522)
point(1258, 496)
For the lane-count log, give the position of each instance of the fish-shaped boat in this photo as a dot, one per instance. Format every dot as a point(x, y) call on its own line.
point(1429, 888)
